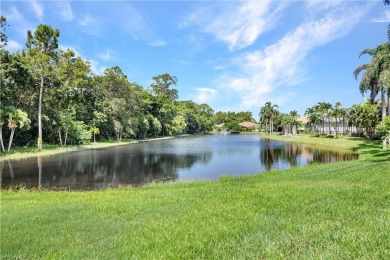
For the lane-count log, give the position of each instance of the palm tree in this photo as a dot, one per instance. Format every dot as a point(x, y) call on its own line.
point(273, 112)
point(365, 116)
point(324, 109)
point(294, 121)
point(17, 118)
point(267, 114)
point(2, 122)
point(376, 77)
point(286, 122)
point(337, 114)
point(313, 116)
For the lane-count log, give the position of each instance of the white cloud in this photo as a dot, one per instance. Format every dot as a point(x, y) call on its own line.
point(219, 67)
point(18, 21)
point(238, 24)
point(106, 56)
point(323, 4)
point(96, 68)
point(87, 20)
point(383, 18)
point(13, 46)
point(38, 9)
point(157, 43)
point(91, 25)
point(65, 10)
point(205, 95)
point(282, 64)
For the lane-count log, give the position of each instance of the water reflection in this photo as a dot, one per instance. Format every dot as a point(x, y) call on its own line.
point(281, 155)
point(169, 160)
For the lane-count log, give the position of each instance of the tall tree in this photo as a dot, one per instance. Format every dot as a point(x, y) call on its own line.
point(337, 113)
point(267, 114)
point(294, 121)
point(324, 109)
point(162, 86)
point(164, 97)
point(42, 48)
point(376, 77)
point(3, 53)
point(313, 118)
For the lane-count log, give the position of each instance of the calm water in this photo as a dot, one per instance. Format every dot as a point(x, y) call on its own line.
point(200, 157)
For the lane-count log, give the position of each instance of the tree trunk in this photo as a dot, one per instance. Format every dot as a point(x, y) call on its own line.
point(59, 135)
point(94, 139)
point(66, 137)
point(388, 102)
point(40, 115)
point(10, 138)
point(1, 139)
point(384, 143)
point(383, 101)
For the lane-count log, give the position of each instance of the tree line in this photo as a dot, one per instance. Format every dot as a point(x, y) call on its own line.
point(52, 95)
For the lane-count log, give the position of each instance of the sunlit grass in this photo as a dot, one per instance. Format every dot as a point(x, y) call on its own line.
point(322, 211)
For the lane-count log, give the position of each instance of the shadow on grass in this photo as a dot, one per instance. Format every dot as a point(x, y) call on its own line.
point(372, 149)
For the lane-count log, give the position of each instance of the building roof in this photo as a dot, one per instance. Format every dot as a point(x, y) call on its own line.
point(247, 124)
point(303, 119)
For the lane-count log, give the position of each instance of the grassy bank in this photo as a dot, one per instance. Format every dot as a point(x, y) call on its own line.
point(338, 210)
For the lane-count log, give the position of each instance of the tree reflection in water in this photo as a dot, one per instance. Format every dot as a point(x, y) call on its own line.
point(95, 170)
point(274, 155)
point(143, 163)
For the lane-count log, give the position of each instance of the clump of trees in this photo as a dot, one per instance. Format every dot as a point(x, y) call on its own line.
point(231, 120)
point(57, 99)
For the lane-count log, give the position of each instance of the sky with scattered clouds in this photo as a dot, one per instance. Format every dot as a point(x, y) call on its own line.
point(232, 55)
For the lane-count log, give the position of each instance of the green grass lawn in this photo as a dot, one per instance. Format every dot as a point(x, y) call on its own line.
point(333, 211)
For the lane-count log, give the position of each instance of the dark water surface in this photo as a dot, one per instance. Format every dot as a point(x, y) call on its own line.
point(199, 157)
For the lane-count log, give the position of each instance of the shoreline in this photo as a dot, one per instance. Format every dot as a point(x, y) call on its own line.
point(353, 145)
point(74, 148)
point(343, 144)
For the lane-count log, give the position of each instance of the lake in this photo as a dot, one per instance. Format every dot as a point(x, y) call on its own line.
point(185, 158)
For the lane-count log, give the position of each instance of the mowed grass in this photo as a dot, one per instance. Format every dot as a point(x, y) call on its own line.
point(331, 211)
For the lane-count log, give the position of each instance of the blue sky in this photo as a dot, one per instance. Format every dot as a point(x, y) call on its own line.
point(232, 55)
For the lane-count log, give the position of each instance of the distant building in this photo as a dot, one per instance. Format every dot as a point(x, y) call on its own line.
point(248, 126)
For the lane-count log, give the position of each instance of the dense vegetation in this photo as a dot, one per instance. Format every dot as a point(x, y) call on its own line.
point(52, 92)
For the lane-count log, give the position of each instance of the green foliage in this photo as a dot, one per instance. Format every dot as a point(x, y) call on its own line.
point(227, 117)
point(383, 128)
point(233, 127)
